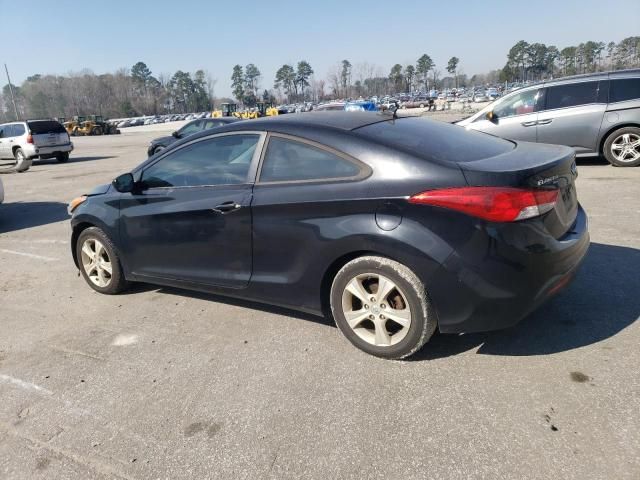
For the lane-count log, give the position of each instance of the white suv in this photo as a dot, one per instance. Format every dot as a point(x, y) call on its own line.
point(23, 141)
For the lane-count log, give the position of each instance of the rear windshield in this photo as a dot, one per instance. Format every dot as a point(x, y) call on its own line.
point(46, 126)
point(436, 140)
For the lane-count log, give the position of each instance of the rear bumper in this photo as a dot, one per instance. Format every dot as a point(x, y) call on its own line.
point(49, 150)
point(506, 272)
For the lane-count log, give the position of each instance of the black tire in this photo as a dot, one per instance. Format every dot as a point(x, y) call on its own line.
point(62, 157)
point(609, 152)
point(22, 162)
point(117, 283)
point(423, 319)
point(422, 105)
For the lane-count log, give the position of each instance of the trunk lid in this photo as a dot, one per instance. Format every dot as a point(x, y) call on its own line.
point(48, 133)
point(535, 166)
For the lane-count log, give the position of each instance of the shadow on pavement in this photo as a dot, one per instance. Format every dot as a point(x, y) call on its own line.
point(602, 301)
point(599, 160)
point(20, 215)
point(72, 159)
point(137, 287)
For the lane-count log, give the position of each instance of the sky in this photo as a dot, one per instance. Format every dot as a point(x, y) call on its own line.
point(63, 36)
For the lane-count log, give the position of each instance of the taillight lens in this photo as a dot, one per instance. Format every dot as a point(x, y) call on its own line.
point(29, 138)
point(495, 204)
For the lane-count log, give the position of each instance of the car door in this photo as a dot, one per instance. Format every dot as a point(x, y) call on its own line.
point(572, 114)
point(514, 117)
point(4, 140)
point(298, 201)
point(190, 220)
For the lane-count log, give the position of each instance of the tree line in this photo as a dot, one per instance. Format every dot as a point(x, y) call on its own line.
point(125, 93)
point(537, 61)
point(136, 91)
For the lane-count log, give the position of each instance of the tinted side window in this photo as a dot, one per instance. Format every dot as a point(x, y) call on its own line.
point(18, 129)
point(624, 89)
point(572, 95)
point(217, 161)
point(4, 130)
point(288, 160)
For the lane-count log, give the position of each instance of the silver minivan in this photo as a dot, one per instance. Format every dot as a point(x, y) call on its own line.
point(596, 114)
point(21, 142)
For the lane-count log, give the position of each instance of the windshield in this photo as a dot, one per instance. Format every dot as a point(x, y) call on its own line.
point(191, 128)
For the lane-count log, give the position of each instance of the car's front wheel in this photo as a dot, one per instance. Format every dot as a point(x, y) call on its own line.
point(622, 147)
point(22, 162)
point(381, 307)
point(99, 262)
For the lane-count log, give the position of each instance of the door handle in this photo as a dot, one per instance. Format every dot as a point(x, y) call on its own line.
point(545, 121)
point(226, 207)
point(528, 124)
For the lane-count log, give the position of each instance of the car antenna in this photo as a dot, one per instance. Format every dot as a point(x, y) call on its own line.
point(393, 110)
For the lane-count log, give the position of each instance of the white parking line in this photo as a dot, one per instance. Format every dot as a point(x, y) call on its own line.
point(30, 255)
point(24, 385)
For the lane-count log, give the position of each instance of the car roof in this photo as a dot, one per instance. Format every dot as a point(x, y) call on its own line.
point(632, 72)
point(335, 120)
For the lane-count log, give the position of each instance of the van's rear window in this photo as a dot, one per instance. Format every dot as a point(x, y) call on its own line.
point(46, 126)
point(434, 140)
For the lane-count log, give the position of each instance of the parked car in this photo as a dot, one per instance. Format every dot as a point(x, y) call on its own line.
point(492, 93)
point(330, 106)
point(595, 114)
point(394, 226)
point(421, 101)
point(27, 140)
point(480, 96)
point(195, 126)
point(1, 191)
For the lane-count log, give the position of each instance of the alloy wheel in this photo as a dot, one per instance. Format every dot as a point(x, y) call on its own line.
point(626, 148)
point(96, 262)
point(376, 309)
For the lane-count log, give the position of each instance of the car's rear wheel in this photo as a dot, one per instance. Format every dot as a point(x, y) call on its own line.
point(99, 262)
point(381, 307)
point(62, 157)
point(622, 147)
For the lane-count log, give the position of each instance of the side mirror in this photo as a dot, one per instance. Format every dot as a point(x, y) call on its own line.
point(175, 135)
point(492, 117)
point(124, 183)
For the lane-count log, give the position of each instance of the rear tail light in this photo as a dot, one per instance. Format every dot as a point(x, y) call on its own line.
point(495, 204)
point(29, 138)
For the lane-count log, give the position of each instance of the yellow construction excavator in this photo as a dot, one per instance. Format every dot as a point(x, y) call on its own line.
point(262, 109)
point(226, 110)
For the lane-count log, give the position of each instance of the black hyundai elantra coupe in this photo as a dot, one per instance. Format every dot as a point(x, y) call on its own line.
point(394, 227)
